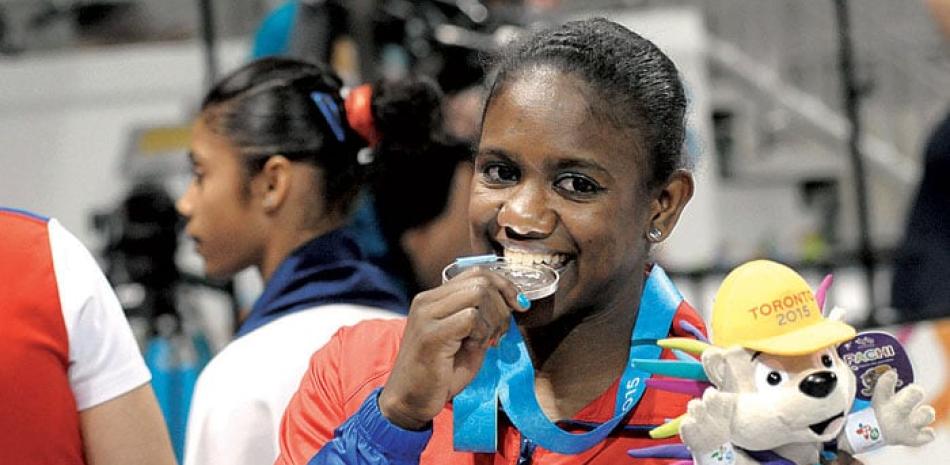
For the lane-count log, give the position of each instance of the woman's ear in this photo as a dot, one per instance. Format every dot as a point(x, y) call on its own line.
point(668, 204)
point(270, 187)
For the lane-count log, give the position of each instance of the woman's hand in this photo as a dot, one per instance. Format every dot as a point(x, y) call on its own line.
point(447, 333)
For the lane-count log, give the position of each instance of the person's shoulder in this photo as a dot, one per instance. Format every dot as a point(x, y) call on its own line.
point(361, 356)
point(686, 310)
point(330, 317)
point(228, 371)
point(19, 225)
point(338, 328)
point(255, 365)
point(272, 352)
point(8, 214)
point(26, 245)
point(373, 331)
point(240, 379)
point(370, 344)
point(688, 322)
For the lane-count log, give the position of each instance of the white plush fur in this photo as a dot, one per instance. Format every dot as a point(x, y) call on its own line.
point(746, 410)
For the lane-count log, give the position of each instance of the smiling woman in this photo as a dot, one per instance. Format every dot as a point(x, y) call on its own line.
point(546, 188)
point(578, 166)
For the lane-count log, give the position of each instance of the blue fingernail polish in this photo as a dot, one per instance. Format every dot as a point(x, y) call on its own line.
point(523, 301)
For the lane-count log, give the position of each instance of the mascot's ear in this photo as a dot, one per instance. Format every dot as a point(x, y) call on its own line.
point(715, 365)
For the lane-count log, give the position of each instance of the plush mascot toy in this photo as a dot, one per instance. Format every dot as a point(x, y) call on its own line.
point(780, 392)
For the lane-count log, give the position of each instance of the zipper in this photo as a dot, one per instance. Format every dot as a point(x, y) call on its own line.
point(526, 452)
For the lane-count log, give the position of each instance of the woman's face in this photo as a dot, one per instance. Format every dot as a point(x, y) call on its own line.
point(557, 185)
point(222, 220)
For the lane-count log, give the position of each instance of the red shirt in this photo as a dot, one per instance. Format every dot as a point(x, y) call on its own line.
point(358, 359)
point(38, 417)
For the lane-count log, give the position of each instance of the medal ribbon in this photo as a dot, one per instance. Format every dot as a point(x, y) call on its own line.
point(507, 376)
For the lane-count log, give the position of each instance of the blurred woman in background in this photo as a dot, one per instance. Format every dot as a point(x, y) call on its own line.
point(278, 158)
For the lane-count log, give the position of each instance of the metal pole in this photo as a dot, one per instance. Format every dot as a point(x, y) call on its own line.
point(851, 100)
point(208, 40)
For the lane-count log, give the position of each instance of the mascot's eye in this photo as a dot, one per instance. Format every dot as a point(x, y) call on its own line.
point(825, 358)
point(768, 378)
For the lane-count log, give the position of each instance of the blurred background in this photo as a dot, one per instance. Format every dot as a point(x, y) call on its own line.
point(813, 128)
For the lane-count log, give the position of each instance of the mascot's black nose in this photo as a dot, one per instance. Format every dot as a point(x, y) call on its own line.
point(819, 384)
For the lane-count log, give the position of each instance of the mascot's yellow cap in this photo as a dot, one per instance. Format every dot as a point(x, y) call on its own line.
point(766, 306)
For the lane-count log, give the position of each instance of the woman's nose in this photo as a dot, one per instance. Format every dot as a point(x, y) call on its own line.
point(183, 204)
point(527, 213)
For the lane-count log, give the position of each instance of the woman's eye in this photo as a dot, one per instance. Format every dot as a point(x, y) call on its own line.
point(578, 185)
point(498, 173)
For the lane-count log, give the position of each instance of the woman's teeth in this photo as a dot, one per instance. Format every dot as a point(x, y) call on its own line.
point(525, 258)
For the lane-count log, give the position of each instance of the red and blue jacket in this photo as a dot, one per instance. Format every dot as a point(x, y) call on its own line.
point(334, 417)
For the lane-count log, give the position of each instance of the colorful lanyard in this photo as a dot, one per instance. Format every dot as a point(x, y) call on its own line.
point(507, 375)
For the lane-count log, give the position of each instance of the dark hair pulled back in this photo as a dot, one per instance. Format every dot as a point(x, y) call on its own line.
point(637, 84)
point(267, 108)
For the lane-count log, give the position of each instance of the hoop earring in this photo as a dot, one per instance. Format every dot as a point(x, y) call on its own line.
point(655, 235)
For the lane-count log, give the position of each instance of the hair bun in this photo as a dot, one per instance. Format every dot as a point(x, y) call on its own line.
point(407, 112)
